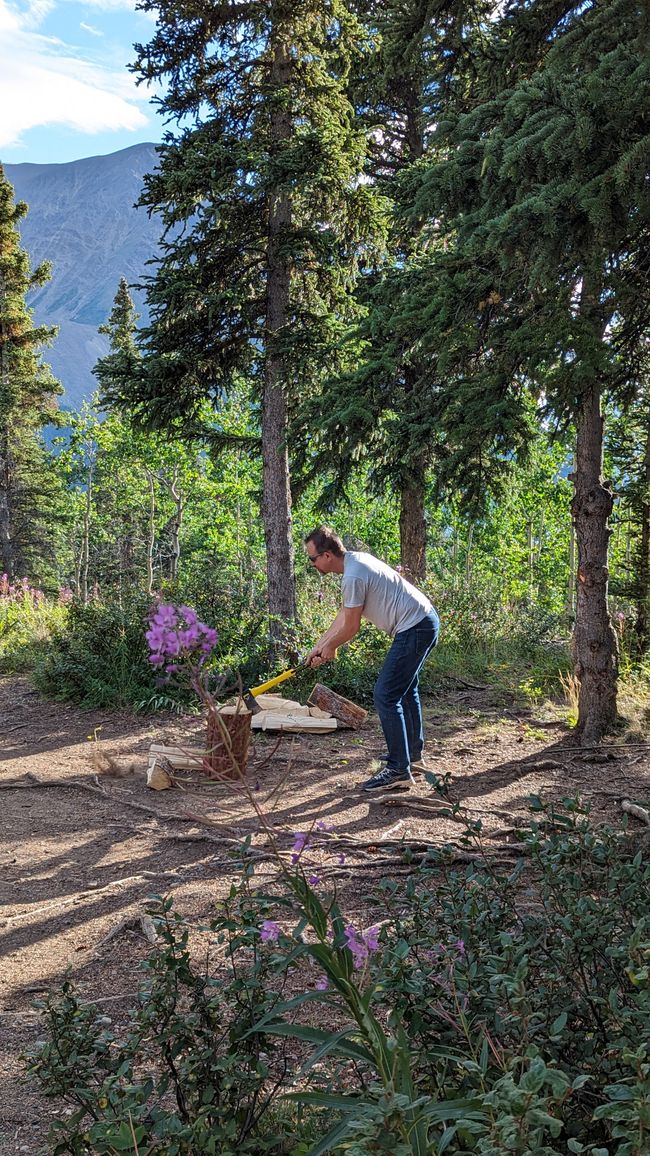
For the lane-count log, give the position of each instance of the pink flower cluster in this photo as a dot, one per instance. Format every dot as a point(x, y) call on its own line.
point(176, 635)
point(19, 591)
point(361, 944)
point(270, 931)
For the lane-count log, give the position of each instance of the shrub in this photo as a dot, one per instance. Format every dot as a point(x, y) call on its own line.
point(99, 658)
point(28, 621)
point(491, 1013)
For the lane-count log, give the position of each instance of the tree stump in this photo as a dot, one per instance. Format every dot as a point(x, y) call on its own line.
point(229, 735)
point(347, 713)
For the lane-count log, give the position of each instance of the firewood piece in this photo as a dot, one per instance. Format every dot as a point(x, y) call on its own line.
point(637, 810)
point(179, 758)
point(275, 720)
point(142, 923)
point(159, 777)
point(342, 709)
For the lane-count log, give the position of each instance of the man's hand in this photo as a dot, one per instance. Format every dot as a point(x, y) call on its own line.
point(322, 652)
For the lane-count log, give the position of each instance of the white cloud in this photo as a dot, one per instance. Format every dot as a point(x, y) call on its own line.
point(44, 82)
point(89, 28)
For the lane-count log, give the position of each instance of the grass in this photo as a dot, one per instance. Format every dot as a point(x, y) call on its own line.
point(26, 630)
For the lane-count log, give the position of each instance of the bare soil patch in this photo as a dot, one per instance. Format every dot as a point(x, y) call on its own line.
point(75, 862)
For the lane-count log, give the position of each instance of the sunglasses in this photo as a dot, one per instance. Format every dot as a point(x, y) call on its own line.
point(313, 557)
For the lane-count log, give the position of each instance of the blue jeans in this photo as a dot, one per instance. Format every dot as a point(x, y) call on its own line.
point(397, 699)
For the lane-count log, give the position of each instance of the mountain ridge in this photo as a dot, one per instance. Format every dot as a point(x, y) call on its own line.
point(83, 220)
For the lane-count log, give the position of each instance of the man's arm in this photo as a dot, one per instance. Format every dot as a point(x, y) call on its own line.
point(344, 627)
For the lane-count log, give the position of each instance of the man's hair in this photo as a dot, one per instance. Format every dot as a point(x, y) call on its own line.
point(324, 538)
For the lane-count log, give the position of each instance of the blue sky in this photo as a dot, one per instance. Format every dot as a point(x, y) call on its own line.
point(65, 91)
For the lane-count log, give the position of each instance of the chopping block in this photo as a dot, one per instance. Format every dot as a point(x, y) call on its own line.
point(346, 712)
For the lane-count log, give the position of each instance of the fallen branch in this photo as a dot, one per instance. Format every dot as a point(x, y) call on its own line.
point(463, 682)
point(576, 750)
point(428, 806)
point(32, 780)
point(87, 893)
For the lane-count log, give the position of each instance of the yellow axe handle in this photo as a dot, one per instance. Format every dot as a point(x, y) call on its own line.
point(255, 690)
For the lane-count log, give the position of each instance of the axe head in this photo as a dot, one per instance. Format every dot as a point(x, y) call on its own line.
point(248, 699)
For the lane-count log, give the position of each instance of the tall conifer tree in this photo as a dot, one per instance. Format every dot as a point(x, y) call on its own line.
point(540, 193)
point(265, 222)
point(375, 412)
point(27, 402)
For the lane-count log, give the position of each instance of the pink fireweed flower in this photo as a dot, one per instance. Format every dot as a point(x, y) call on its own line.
point(371, 938)
point(175, 633)
point(361, 944)
point(356, 946)
point(270, 931)
point(301, 839)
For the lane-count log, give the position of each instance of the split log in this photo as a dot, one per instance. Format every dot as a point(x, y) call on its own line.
point(275, 720)
point(179, 758)
point(342, 709)
point(637, 810)
point(159, 776)
point(143, 924)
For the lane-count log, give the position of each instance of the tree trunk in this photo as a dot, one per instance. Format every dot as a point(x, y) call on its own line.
point(6, 535)
point(468, 556)
point(276, 495)
point(85, 544)
point(413, 530)
point(151, 530)
point(642, 568)
point(571, 584)
point(175, 523)
point(594, 640)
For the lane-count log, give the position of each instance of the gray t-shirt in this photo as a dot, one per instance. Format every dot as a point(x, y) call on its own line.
point(388, 600)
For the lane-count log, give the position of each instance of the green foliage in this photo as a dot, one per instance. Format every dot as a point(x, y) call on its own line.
point(259, 93)
point(28, 621)
point(99, 658)
point(490, 1013)
point(208, 1086)
point(29, 494)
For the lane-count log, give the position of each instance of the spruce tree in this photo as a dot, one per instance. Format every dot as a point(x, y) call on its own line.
point(374, 413)
point(28, 393)
point(538, 190)
point(265, 223)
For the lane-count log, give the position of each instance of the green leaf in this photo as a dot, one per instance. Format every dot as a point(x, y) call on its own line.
point(319, 1036)
point(325, 1100)
point(331, 1140)
point(453, 1110)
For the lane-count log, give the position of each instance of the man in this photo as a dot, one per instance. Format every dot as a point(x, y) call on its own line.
point(372, 590)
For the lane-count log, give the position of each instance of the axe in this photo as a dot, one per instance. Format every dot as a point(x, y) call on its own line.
point(252, 692)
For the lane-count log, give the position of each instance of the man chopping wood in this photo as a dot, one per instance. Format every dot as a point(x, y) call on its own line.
point(372, 590)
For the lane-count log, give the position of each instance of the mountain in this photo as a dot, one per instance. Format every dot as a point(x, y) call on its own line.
point(82, 218)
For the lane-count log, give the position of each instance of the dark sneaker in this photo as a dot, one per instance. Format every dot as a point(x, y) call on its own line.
point(388, 779)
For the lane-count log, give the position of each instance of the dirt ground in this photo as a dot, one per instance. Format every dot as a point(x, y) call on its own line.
point(83, 853)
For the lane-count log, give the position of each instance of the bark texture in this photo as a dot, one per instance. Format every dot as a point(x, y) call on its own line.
point(6, 536)
point(594, 641)
point(413, 530)
point(643, 561)
point(276, 497)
